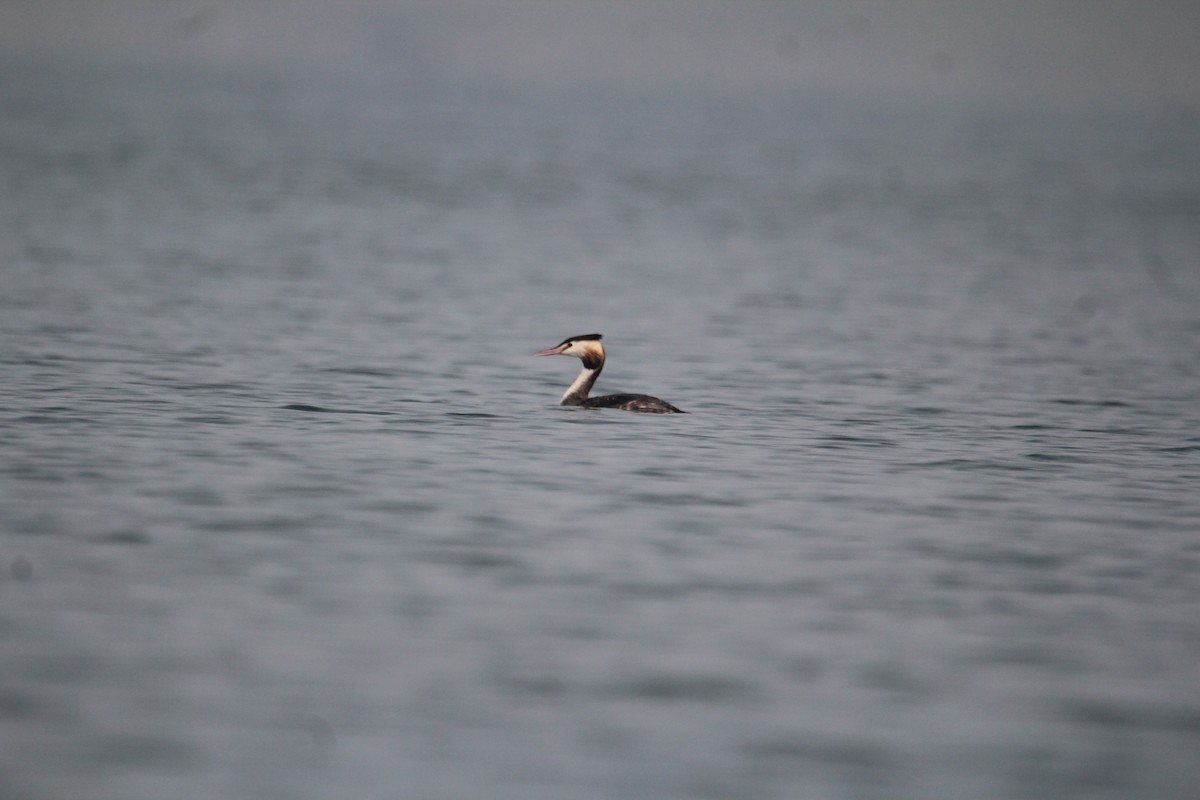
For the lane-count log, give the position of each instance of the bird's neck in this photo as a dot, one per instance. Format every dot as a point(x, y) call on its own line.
point(577, 393)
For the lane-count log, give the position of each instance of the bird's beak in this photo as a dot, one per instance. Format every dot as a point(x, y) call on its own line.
point(553, 351)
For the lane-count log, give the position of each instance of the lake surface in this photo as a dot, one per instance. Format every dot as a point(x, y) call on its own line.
point(289, 510)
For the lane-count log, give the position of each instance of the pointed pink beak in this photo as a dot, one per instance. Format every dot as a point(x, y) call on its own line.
point(553, 351)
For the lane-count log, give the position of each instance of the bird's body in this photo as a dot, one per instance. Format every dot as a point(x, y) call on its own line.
point(590, 351)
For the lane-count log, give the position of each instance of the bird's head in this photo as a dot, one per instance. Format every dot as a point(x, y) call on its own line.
point(587, 348)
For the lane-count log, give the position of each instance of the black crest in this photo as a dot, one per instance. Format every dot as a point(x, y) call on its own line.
point(587, 337)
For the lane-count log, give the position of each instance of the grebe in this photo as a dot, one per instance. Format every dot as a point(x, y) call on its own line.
point(587, 348)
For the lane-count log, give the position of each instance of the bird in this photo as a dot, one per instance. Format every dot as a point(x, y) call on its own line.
point(588, 349)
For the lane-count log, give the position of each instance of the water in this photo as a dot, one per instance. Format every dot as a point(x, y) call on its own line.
point(289, 510)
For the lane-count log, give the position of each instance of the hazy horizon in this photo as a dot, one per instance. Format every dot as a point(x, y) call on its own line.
point(1064, 49)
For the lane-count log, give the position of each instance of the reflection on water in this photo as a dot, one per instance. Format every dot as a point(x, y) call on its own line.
point(290, 511)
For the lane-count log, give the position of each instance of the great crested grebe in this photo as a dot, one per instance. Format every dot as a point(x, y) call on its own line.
point(587, 348)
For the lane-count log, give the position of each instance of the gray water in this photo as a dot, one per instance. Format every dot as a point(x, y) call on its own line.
point(290, 511)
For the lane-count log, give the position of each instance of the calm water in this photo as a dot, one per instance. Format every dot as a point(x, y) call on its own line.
point(290, 511)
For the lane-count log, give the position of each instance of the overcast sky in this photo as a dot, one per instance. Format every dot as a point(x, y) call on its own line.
point(1048, 48)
